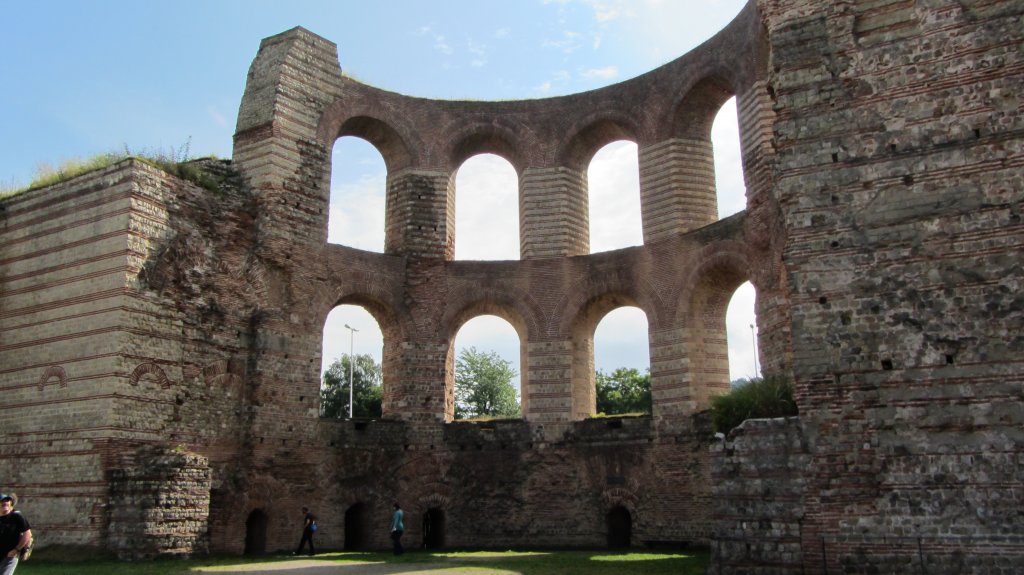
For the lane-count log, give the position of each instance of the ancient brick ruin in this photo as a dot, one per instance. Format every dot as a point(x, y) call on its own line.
point(160, 344)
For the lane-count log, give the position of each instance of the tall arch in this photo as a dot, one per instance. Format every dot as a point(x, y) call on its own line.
point(613, 189)
point(485, 185)
point(358, 192)
point(711, 288)
point(584, 324)
point(505, 311)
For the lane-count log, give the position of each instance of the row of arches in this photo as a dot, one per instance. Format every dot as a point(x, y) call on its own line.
point(620, 339)
point(487, 200)
point(358, 524)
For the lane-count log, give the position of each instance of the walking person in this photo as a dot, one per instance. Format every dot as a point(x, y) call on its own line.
point(308, 529)
point(15, 535)
point(397, 528)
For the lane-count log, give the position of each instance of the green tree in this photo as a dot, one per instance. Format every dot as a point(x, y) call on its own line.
point(366, 395)
point(625, 390)
point(483, 385)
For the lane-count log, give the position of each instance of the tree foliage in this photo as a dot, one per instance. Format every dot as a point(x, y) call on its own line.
point(625, 390)
point(366, 395)
point(766, 397)
point(483, 385)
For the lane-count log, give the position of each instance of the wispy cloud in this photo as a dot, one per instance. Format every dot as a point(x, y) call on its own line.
point(602, 73)
point(502, 33)
point(440, 42)
point(478, 52)
point(570, 42)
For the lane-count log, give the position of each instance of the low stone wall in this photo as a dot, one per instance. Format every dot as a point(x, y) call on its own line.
point(757, 487)
point(159, 504)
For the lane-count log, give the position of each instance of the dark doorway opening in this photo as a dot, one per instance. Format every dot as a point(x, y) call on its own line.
point(355, 527)
point(256, 533)
point(433, 528)
point(620, 528)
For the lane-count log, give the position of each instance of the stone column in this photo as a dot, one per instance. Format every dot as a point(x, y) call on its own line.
point(554, 218)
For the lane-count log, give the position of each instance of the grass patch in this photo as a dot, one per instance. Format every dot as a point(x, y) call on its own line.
point(476, 562)
point(759, 398)
point(174, 162)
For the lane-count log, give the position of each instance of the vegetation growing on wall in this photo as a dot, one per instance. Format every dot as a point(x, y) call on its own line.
point(175, 162)
point(762, 397)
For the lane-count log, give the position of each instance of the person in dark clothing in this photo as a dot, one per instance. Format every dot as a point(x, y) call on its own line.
point(15, 535)
point(308, 529)
point(397, 529)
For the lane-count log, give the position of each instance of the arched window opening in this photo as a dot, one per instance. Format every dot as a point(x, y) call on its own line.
point(358, 193)
point(350, 329)
point(613, 182)
point(256, 533)
point(355, 527)
point(622, 361)
point(487, 370)
point(620, 528)
point(729, 184)
point(486, 209)
point(433, 528)
point(741, 326)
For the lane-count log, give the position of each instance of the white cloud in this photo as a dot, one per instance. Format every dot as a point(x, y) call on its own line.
point(569, 43)
point(613, 180)
point(725, 136)
point(486, 210)
point(544, 87)
point(502, 33)
point(603, 73)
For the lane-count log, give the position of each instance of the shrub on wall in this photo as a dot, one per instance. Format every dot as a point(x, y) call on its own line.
point(764, 397)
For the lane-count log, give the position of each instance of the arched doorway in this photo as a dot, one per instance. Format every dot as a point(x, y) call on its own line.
point(355, 527)
point(620, 528)
point(256, 533)
point(433, 528)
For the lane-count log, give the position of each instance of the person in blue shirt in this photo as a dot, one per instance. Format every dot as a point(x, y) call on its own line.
point(397, 528)
point(308, 529)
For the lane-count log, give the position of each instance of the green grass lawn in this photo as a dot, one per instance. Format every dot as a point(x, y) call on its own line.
point(477, 562)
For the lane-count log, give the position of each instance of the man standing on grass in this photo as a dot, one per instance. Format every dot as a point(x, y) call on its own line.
point(15, 535)
point(397, 528)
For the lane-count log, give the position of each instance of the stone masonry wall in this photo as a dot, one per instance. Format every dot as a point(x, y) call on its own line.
point(898, 174)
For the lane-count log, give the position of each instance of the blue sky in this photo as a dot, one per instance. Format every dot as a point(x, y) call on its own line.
point(82, 78)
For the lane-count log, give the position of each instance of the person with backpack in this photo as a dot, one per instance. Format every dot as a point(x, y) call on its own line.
point(308, 529)
point(15, 535)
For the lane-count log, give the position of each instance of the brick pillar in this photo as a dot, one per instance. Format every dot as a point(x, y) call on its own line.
point(549, 367)
point(671, 374)
point(677, 187)
point(554, 218)
point(584, 388)
point(293, 78)
point(420, 214)
point(417, 389)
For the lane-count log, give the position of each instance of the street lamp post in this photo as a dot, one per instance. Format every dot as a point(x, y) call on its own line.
point(753, 339)
point(351, 366)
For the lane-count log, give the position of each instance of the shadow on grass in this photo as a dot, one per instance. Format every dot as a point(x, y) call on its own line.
point(523, 562)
